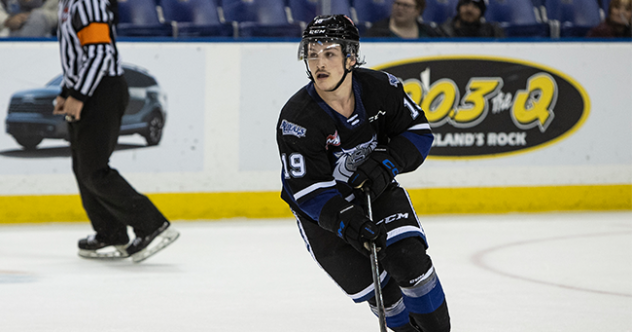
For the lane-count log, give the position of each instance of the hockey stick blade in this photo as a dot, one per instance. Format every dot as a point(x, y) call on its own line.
point(160, 242)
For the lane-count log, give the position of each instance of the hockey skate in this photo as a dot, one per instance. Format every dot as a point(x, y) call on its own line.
point(146, 246)
point(93, 248)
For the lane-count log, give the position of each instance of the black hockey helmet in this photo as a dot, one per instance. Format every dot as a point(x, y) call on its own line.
point(338, 29)
point(331, 28)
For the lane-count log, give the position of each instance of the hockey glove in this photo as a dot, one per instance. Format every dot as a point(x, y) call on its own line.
point(358, 230)
point(376, 173)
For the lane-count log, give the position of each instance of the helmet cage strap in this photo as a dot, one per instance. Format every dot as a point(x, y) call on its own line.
point(344, 64)
point(345, 47)
point(347, 71)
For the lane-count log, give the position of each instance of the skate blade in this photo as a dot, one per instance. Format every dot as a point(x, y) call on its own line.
point(160, 242)
point(107, 253)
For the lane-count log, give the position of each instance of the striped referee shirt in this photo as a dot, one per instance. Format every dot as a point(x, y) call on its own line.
point(87, 46)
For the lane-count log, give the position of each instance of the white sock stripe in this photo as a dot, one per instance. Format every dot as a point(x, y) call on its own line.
point(393, 310)
point(423, 286)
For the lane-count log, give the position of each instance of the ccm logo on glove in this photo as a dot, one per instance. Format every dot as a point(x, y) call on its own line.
point(389, 164)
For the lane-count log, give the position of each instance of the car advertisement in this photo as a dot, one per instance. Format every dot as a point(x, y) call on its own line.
point(30, 117)
point(162, 117)
point(490, 106)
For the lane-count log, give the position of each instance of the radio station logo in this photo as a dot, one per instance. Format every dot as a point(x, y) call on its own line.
point(488, 106)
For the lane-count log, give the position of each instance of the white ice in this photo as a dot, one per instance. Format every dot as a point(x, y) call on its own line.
point(514, 272)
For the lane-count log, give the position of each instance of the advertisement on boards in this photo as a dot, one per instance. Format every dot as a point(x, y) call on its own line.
point(503, 114)
point(491, 105)
point(163, 117)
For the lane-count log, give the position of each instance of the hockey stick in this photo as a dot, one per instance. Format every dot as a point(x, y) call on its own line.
point(379, 301)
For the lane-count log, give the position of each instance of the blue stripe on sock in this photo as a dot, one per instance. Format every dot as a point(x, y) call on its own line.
point(398, 320)
point(427, 303)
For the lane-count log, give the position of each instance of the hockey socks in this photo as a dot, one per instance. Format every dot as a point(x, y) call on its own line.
point(396, 316)
point(426, 303)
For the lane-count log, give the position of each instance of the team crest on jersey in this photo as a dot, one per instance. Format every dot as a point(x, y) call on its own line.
point(392, 79)
point(348, 160)
point(332, 140)
point(289, 128)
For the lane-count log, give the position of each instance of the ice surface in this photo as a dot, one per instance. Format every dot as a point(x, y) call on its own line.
point(513, 272)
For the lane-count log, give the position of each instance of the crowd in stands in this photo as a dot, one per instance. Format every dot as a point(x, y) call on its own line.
point(406, 19)
point(28, 18)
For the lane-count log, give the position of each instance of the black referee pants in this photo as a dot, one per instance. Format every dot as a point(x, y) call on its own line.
point(109, 200)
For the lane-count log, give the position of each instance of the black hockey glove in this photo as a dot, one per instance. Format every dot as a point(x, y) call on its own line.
point(357, 230)
point(375, 173)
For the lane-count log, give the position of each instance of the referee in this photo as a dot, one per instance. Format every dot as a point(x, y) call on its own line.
point(93, 99)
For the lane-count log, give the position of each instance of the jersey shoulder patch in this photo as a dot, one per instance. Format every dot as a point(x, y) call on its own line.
point(377, 77)
point(289, 128)
point(392, 80)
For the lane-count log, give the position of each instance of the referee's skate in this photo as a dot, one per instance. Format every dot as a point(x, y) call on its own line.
point(95, 248)
point(144, 247)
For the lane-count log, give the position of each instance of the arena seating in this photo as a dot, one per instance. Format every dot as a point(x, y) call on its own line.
point(571, 18)
point(369, 11)
point(604, 6)
point(337, 7)
point(260, 18)
point(302, 11)
point(439, 11)
point(287, 18)
point(139, 18)
point(517, 17)
point(194, 18)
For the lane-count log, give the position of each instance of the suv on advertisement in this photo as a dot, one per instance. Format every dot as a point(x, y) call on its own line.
point(30, 116)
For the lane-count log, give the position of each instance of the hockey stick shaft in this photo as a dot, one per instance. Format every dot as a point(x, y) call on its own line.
point(379, 301)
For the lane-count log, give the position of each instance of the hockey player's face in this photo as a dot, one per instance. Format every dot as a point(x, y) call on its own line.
point(326, 64)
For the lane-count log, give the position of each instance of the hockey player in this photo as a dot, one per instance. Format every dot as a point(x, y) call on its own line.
point(352, 128)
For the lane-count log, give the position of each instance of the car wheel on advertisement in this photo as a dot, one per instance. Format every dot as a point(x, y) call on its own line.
point(28, 142)
point(154, 129)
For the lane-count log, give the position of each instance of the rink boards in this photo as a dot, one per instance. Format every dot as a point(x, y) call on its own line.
point(519, 126)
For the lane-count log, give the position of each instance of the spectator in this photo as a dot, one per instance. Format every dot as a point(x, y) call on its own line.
point(469, 21)
point(28, 18)
point(617, 23)
point(404, 22)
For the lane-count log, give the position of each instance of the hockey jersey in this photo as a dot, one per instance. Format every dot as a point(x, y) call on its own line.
point(320, 148)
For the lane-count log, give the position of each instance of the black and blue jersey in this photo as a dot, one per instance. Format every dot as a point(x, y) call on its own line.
point(320, 148)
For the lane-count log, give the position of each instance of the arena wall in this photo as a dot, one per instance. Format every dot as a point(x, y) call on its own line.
point(553, 132)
